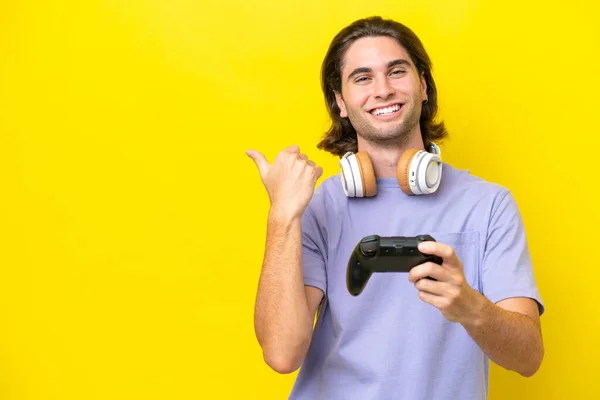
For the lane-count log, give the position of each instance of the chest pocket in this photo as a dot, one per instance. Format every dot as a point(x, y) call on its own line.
point(466, 246)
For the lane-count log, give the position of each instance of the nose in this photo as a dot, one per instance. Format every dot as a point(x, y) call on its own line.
point(383, 89)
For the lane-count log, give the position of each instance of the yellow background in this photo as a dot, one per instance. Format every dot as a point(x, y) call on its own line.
point(132, 223)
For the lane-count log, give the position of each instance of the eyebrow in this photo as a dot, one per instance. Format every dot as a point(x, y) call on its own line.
point(390, 65)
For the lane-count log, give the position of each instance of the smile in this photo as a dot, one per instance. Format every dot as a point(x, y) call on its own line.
point(386, 110)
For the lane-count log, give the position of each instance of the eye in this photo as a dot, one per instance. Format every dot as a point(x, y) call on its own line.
point(397, 72)
point(361, 79)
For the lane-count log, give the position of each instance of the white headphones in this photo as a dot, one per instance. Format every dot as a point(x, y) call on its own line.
point(418, 172)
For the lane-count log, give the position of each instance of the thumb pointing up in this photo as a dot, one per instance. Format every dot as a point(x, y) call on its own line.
point(260, 161)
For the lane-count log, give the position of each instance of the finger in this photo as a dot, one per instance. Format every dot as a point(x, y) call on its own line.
point(438, 288)
point(429, 270)
point(292, 149)
point(318, 172)
point(315, 171)
point(442, 250)
point(260, 161)
point(433, 299)
point(430, 286)
point(308, 161)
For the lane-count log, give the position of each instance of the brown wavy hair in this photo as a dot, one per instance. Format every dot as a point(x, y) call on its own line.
point(341, 136)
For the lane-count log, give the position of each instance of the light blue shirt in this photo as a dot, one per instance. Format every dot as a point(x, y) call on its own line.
point(387, 344)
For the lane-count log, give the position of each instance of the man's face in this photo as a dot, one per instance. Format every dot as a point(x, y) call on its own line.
point(382, 92)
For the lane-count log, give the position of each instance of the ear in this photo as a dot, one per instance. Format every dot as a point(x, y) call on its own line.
point(423, 87)
point(341, 105)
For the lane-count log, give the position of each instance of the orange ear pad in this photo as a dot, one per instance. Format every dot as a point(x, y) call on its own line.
point(403, 168)
point(367, 174)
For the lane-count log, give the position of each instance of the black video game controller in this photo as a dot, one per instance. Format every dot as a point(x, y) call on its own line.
point(385, 254)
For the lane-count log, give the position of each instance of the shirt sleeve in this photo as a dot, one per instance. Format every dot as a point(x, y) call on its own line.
point(314, 250)
point(507, 264)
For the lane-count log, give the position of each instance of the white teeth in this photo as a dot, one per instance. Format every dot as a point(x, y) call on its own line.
point(386, 110)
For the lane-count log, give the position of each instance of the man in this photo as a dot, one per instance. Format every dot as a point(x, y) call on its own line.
point(403, 337)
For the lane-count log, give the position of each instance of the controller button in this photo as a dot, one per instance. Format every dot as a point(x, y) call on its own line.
point(399, 248)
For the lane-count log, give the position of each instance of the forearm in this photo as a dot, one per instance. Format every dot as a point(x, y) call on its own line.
point(510, 339)
point(282, 322)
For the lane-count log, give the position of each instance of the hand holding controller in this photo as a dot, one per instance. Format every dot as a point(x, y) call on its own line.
point(385, 254)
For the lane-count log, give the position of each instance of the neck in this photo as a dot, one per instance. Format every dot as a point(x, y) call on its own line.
point(385, 157)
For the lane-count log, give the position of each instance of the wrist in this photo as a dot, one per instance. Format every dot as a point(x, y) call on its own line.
point(481, 308)
point(281, 216)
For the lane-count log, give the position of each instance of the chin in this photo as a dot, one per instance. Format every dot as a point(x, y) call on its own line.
point(384, 138)
point(391, 131)
point(396, 130)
